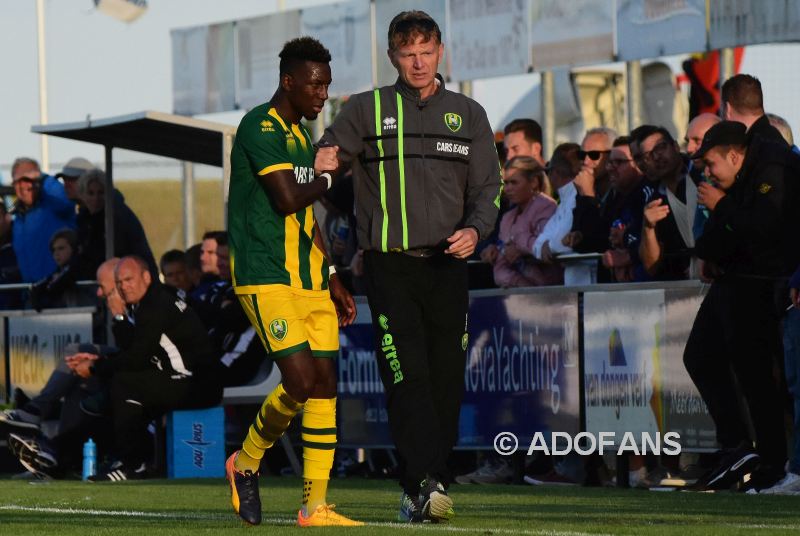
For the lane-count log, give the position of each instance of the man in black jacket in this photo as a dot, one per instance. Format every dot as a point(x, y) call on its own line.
point(427, 189)
point(743, 101)
point(168, 365)
point(736, 326)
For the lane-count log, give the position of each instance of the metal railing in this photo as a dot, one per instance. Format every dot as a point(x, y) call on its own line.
point(28, 286)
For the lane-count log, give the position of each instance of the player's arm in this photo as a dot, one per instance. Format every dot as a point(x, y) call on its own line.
point(289, 196)
point(269, 160)
point(345, 306)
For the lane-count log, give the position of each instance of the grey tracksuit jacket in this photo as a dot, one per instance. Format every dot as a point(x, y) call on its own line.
point(422, 169)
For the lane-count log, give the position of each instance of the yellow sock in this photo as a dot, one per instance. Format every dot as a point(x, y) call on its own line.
point(319, 444)
point(272, 420)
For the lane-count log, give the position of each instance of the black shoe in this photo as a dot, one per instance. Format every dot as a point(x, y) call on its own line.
point(732, 468)
point(435, 503)
point(119, 472)
point(20, 419)
point(33, 456)
point(764, 477)
point(410, 511)
point(20, 398)
point(244, 492)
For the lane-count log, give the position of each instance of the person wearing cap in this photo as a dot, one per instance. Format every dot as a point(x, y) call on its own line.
point(41, 209)
point(70, 174)
point(736, 327)
point(427, 186)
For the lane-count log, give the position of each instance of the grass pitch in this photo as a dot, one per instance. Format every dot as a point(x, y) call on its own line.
point(194, 507)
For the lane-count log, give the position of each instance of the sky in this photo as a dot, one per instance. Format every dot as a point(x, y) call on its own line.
point(95, 64)
point(100, 66)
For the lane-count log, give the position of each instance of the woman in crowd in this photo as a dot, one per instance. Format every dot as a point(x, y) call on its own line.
point(527, 188)
point(129, 237)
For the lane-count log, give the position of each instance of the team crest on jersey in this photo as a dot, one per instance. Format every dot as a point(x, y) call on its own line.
point(279, 328)
point(453, 121)
point(267, 126)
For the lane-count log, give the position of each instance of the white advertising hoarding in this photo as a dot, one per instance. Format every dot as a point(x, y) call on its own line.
point(259, 41)
point(37, 343)
point(621, 345)
point(202, 69)
point(655, 28)
point(736, 23)
point(344, 29)
point(478, 53)
point(571, 33)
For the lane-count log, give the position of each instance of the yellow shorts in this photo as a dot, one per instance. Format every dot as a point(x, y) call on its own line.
point(288, 319)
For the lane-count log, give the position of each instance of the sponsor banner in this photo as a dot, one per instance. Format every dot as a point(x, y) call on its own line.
point(634, 378)
point(259, 40)
point(5, 391)
point(684, 409)
point(735, 23)
point(655, 28)
point(345, 30)
point(478, 53)
point(522, 371)
point(385, 11)
point(203, 78)
point(521, 375)
point(571, 33)
point(37, 344)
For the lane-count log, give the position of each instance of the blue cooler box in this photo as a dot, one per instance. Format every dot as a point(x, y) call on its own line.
point(196, 443)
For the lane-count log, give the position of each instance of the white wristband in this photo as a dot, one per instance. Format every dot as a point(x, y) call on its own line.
point(327, 176)
point(331, 270)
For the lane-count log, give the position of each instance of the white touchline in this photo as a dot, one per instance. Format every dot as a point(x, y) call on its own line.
point(283, 521)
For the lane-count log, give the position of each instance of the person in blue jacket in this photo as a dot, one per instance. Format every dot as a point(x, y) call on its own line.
point(41, 209)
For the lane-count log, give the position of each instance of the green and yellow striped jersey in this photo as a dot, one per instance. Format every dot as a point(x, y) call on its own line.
point(267, 247)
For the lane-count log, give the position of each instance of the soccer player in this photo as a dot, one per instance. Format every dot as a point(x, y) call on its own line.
point(281, 276)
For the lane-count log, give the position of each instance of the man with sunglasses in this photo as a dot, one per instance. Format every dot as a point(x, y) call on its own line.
point(602, 224)
point(557, 236)
point(427, 188)
point(667, 236)
point(41, 209)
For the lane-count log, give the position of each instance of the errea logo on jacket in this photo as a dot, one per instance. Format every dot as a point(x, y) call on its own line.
point(389, 123)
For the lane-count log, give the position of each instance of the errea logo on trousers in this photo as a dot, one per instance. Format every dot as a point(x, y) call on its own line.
point(389, 123)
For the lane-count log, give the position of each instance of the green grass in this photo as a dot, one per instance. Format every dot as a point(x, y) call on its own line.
point(202, 507)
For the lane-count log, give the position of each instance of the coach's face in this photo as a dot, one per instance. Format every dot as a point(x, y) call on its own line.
point(132, 280)
point(307, 87)
point(417, 63)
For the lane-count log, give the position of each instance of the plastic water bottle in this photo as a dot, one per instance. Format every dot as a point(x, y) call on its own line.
point(344, 229)
point(89, 459)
